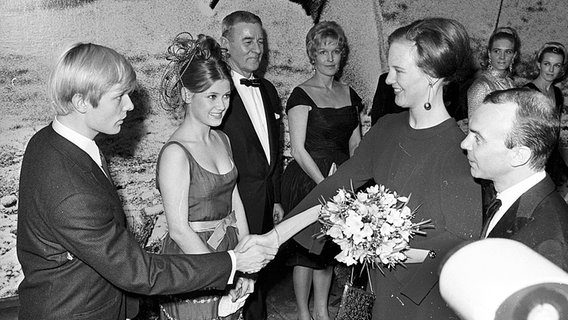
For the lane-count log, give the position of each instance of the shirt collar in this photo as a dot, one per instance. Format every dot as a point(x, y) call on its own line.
point(237, 78)
point(511, 194)
point(84, 143)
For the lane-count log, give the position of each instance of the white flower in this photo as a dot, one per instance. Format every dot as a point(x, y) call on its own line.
point(387, 230)
point(353, 224)
point(344, 257)
point(374, 226)
point(373, 189)
point(362, 196)
point(335, 232)
point(340, 196)
point(365, 233)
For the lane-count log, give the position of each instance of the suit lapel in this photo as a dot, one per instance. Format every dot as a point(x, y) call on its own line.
point(83, 161)
point(246, 122)
point(270, 123)
point(520, 213)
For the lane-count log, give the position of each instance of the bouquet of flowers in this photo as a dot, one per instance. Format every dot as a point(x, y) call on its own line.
point(371, 227)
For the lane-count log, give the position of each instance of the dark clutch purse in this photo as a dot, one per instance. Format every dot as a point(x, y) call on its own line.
point(356, 303)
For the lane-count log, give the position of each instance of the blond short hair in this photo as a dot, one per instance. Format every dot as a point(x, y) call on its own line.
point(90, 70)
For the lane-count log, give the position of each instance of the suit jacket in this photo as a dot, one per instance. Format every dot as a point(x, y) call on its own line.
point(77, 256)
point(259, 181)
point(538, 219)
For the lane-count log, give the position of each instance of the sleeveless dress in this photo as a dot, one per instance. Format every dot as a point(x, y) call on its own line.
point(327, 141)
point(212, 218)
point(555, 166)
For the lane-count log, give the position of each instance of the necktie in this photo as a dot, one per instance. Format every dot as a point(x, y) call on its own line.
point(254, 82)
point(104, 165)
point(491, 210)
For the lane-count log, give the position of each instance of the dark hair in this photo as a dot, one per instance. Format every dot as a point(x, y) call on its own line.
point(194, 64)
point(556, 48)
point(322, 31)
point(501, 33)
point(536, 124)
point(442, 46)
point(237, 17)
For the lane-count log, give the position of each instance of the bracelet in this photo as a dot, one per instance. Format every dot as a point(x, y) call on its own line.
point(277, 237)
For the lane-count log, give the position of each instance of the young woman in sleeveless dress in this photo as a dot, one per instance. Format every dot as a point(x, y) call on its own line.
point(196, 175)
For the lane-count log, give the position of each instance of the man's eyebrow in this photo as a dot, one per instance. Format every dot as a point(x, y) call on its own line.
point(475, 132)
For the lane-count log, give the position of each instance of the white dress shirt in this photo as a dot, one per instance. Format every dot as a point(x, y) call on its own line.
point(511, 194)
point(252, 99)
point(84, 143)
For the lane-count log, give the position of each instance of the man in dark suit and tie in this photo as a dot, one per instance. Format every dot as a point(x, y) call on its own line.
point(510, 138)
point(252, 123)
point(78, 258)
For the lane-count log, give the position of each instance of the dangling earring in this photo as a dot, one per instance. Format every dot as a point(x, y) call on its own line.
point(511, 67)
point(428, 105)
point(489, 66)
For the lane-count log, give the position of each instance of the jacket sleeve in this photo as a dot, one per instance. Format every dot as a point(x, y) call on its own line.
point(354, 172)
point(85, 224)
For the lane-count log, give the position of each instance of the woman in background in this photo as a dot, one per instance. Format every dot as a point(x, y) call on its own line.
point(503, 50)
point(323, 120)
point(196, 175)
point(551, 63)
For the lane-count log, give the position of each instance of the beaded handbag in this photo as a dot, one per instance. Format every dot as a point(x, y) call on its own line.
point(356, 303)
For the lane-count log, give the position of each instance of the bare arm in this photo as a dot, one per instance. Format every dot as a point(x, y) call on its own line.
point(298, 123)
point(174, 180)
point(237, 204)
point(354, 140)
point(283, 231)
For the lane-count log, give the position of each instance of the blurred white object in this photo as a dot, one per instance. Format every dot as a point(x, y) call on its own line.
point(503, 279)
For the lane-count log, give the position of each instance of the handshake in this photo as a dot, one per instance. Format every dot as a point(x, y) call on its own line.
point(255, 251)
point(251, 254)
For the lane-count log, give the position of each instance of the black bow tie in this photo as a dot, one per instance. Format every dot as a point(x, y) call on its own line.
point(254, 82)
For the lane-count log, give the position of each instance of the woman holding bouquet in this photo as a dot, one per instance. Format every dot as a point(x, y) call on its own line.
point(414, 153)
point(323, 117)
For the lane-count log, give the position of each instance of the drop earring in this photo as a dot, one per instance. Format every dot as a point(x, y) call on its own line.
point(428, 105)
point(489, 65)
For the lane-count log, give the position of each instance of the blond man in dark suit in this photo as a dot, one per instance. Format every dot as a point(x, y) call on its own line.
point(78, 259)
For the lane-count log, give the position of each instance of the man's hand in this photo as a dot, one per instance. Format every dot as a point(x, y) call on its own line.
point(243, 288)
point(253, 254)
point(277, 213)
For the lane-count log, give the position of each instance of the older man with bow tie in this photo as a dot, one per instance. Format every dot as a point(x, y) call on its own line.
point(253, 125)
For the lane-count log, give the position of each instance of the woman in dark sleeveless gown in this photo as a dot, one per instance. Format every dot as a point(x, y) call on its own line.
point(197, 177)
point(551, 63)
point(324, 130)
